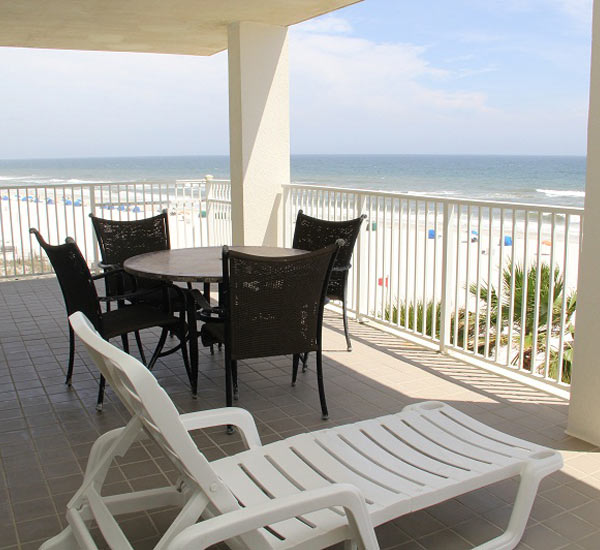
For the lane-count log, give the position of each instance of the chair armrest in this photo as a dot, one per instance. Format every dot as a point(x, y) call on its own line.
point(226, 526)
point(109, 267)
point(341, 267)
point(234, 416)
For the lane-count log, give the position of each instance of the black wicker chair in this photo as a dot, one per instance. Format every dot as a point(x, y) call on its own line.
point(119, 240)
point(79, 292)
point(312, 234)
point(272, 306)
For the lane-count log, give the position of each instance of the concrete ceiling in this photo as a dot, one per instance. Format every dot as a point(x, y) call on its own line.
point(194, 27)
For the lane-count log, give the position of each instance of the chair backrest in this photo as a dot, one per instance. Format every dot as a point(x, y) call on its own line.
point(145, 399)
point(274, 306)
point(119, 240)
point(74, 278)
point(313, 233)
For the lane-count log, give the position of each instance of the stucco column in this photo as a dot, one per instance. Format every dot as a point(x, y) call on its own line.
point(584, 410)
point(259, 127)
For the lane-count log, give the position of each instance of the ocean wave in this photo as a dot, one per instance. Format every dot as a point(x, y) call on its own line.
point(9, 178)
point(559, 193)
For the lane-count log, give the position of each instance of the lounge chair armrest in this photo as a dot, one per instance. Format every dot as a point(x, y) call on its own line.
point(226, 526)
point(341, 267)
point(225, 416)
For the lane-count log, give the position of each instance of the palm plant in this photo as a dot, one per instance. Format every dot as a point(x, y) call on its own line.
point(519, 290)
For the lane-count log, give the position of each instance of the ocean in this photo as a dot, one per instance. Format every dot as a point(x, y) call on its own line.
point(557, 180)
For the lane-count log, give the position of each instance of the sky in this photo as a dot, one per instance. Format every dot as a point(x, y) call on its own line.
point(381, 76)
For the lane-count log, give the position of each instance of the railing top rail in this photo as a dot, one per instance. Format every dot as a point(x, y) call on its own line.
point(574, 210)
point(93, 184)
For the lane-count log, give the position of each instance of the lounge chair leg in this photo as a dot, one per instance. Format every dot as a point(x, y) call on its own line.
point(139, 345)
point(530, 480)
point(304, 358)
point(295, 362)
point(346, 332)
point(71, 356)
point(65, 540)
point(324, 411)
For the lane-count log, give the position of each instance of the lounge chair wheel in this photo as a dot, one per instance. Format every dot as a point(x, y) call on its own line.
point(324, 417)
point(230, 430)
point(99, 407)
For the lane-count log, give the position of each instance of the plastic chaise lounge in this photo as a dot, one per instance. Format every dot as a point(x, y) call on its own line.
point(306, 492)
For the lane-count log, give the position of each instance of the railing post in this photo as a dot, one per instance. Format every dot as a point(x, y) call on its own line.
point(446, 303)
point(358, 255)
point(209, 209)
point(92, 193)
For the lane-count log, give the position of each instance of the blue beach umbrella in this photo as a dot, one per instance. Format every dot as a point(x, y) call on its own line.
point(24, 199)
point(49, 201)
point(5, 198)
point(77, 202)
point(68, 202)
point(136, 209)
point(122, 207)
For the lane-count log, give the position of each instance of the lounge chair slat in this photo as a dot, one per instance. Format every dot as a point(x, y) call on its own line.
point(323, 461)
point(489, 443)
point(376, 453)
point(433, 449)
point(486, 431)
point(384, 438)
point(250, 494)
point(347, 455)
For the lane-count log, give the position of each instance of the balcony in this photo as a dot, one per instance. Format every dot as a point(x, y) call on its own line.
point(47, 429)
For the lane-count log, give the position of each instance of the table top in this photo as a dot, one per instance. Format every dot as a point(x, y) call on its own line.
point(190, 265)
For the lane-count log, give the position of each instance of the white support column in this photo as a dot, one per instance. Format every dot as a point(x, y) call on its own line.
point(584, 410)
point(259, 126)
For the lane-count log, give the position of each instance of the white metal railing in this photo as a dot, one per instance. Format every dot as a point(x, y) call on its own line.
point(495, 281)
point(197, 216)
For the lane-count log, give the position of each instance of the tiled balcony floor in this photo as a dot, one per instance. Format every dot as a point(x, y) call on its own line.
point(46, 429)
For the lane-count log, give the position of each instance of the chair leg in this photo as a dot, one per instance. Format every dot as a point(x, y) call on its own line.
point(71, 356)
point(345, 318)
point(159, 347)
point(304, 358)
point(191, 370)
point(295, 362)
point(234, 379)
point(100, 401)
point(125, 342)
point(325, 413)
point(139, 345)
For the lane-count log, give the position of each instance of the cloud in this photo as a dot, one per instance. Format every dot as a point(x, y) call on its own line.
point(330, 24)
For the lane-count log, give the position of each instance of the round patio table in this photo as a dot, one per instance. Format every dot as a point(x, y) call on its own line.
point(194, 265)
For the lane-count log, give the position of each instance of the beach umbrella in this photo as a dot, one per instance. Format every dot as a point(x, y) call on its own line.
point(136, 209)
point(122, 207)
point(68, 202)
point(5, 198)
point(24, 199)
point(77, 202)
point(49, 201)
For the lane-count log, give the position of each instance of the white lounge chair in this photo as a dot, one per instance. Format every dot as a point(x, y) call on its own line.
point(305, 492)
